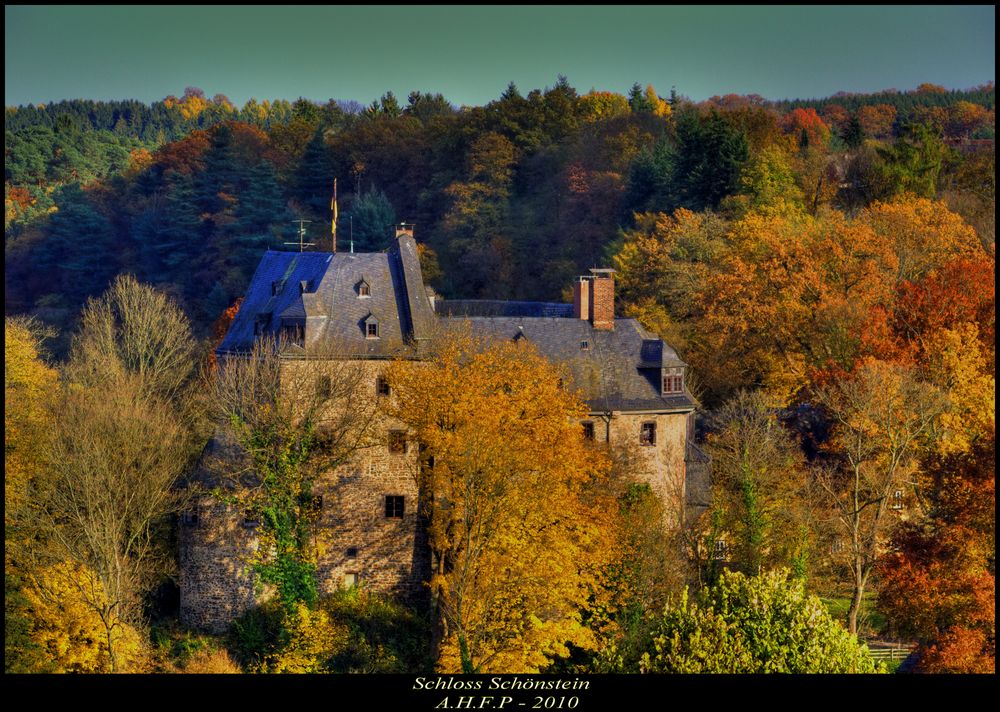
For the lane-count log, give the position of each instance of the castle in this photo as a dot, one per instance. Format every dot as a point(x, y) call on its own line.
point(374, 307)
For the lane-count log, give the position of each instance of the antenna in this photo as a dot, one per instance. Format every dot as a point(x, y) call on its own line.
point(302, 235)
point(352, 232)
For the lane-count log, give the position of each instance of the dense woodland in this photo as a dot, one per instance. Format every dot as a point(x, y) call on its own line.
point(826, 267)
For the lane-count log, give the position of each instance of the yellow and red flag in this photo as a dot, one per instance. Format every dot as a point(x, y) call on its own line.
point(333, 207)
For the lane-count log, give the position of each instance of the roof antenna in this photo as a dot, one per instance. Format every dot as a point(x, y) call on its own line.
point(352, 233)
point(302, 235)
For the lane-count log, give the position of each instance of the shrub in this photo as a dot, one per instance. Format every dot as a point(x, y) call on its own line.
point(754, 624)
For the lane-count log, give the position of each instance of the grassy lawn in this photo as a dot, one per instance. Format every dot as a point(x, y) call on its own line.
point(870, 622)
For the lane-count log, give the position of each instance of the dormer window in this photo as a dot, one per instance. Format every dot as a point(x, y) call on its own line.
point(370, 326)
point(673, 380)
point(364, 290)
point(276, 287)
point(584, 345)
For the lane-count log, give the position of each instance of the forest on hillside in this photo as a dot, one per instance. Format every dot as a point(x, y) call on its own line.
point(513, 198)
point(825, 267)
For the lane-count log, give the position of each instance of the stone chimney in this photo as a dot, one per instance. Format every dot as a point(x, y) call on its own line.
point(602, 299)
point(581, 298)
point(404, 229)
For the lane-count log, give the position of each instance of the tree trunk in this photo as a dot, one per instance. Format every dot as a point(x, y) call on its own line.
point(852, 612)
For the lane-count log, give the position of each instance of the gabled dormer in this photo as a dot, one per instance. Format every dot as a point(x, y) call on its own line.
point(363, 288)
point(369, 326)
point(673, 380)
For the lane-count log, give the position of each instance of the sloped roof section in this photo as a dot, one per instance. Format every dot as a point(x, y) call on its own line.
point(610, 372)
point(277, 270)
point(491, 307)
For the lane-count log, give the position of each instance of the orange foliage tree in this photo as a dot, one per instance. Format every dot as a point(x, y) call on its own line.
point(938, 584)
point(806, 123)
point(517, 519)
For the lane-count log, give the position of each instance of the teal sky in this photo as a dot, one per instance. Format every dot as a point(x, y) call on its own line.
point(470, 54)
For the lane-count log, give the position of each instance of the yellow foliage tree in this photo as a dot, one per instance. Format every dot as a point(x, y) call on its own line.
point(959, 367)
point(661, 108)
point(517, 520)
point(68, 630)
point(28, 386)
point(922, 233)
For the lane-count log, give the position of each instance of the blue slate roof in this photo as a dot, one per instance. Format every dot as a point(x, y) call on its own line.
point(492, 307)
point(281, 272)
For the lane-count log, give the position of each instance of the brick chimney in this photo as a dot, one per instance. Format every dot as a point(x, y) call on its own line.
point(602, 299)
point(581, 298)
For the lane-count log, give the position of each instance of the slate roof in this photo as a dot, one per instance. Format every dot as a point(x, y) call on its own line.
point(620, 370)
point(610, 373)
point(491, 307)
point(333, 310)
point(275, 267)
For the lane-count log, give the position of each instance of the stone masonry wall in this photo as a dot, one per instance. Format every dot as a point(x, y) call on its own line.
point(664, 462)
point(358, 543)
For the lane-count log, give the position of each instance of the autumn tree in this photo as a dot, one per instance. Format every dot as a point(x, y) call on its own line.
point(938, 580)
point(516, 515)
point(759, 487)
point(122, 440)
point(883, 418)
point(30, 389)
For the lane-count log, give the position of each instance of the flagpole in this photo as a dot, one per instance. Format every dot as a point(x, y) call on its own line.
point(333, 223)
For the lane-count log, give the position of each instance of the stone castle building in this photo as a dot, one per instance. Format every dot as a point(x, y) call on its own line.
point(372, 308)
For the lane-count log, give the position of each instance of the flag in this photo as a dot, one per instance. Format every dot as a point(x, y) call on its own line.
point(333, 207)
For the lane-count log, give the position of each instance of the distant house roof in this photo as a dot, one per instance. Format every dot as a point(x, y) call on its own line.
point(273, 289)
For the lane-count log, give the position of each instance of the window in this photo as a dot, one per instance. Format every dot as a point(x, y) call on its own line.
point(647, 434)
point(371, 330)
point(350, 579)
point(394, 507)
point(352, 552)
point(673, 380)
point(588, 431)
point(190, 517)
point(277, 286)
point(397, 441)
point(897, 499)
point(721, 550)
point(837, 546)
point(364, 290)
point(382, 386)
point(250, 519)
point(584, 345)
